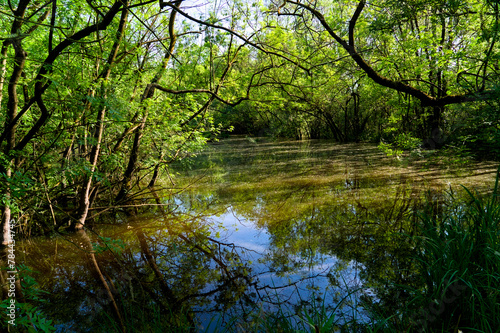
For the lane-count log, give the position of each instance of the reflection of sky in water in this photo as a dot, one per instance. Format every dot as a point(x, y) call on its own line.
point(299, 184)
point(264, 199)
point(287, 290)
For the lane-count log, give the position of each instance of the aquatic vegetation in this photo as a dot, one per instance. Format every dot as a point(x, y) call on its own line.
point(457, 269)
point(266, 237)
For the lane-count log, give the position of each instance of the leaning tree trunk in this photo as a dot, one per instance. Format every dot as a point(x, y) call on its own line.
point(148, 93)
point(94, 155)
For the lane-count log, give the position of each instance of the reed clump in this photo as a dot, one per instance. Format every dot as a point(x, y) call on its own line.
point(457, 265)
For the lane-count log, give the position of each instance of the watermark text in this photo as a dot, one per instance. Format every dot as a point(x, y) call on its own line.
point(11, 276)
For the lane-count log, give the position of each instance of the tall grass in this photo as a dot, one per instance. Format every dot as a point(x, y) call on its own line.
point(458, 265)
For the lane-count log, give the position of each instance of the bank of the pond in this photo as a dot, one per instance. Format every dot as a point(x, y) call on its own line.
point(252, 235)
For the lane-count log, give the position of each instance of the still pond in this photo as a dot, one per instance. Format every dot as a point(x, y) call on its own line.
point(249, 227)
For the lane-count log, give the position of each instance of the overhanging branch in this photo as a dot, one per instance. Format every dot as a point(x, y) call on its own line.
point(425, 99)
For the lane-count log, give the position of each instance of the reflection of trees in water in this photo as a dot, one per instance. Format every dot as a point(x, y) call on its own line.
point(172, 264)
point(169, 266)
point(107, 287)
point(367, 229)
point(359, 218)
point(364, 230)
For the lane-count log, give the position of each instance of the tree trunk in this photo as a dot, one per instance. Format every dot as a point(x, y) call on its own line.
point(6, 216)
point(134, 154)
point(10, 127)
point(156, 172)
point(94, 155)
point(3, 70)
point(148, 93)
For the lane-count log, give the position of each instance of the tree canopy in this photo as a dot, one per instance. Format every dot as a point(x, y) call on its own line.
point(98, 97)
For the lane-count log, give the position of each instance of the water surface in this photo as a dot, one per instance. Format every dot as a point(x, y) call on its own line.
point(251, 227)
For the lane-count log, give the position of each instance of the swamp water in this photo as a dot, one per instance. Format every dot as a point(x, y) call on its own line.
point(246, 229)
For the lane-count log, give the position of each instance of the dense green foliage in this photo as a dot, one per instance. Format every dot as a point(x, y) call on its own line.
point(97, 98)
point(439, 48)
